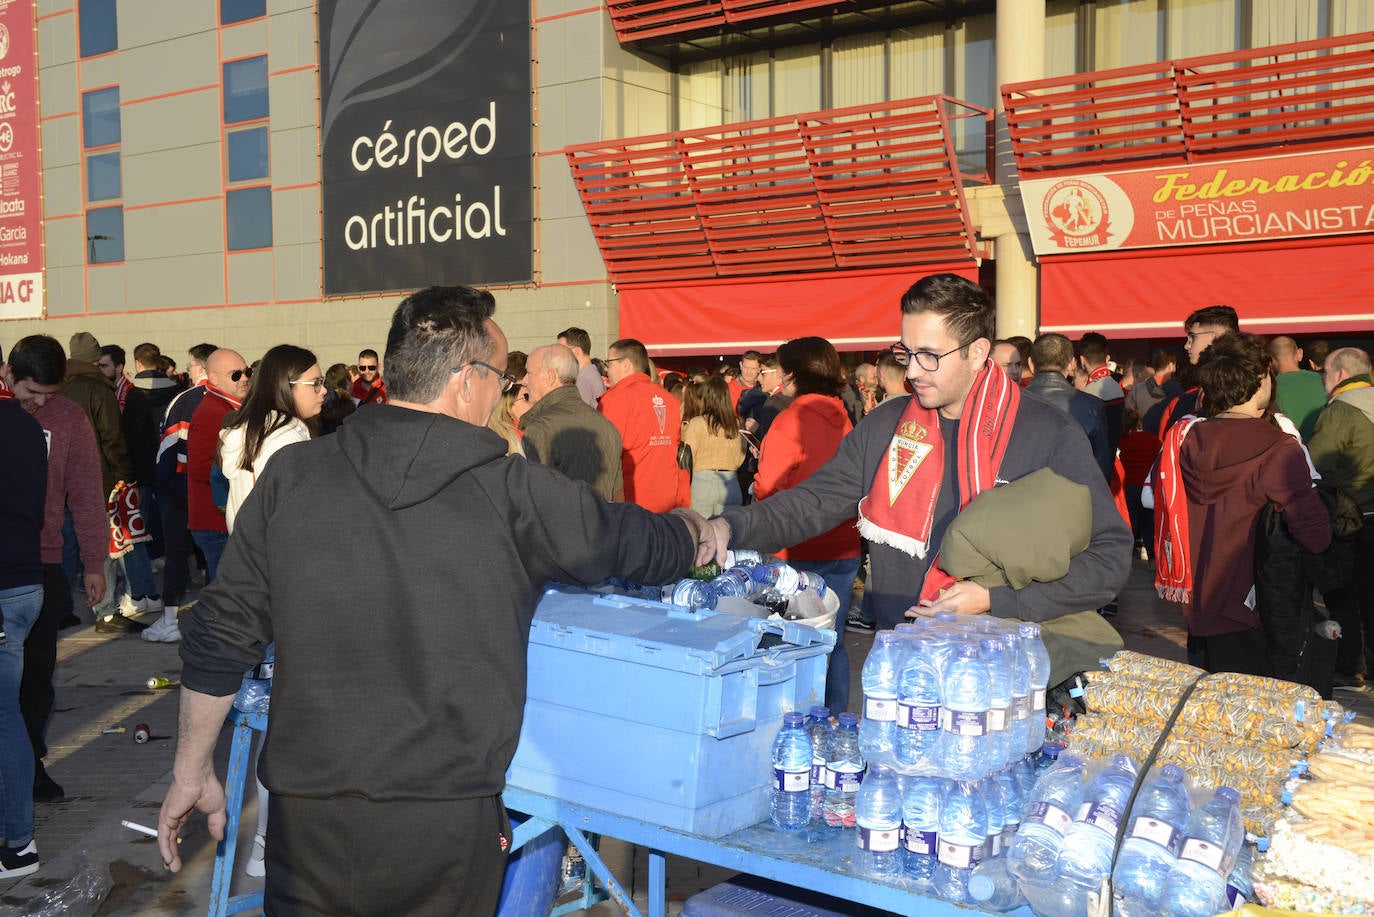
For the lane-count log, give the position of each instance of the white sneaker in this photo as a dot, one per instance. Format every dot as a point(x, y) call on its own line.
point(255, 866)
point(162, 631)
point(127, 606)
point(149, 603)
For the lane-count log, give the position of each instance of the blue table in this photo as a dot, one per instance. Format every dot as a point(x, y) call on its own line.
point(816, 859)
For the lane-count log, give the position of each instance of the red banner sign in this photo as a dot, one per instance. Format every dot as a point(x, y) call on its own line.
point(21, 168)
point(1297, 196)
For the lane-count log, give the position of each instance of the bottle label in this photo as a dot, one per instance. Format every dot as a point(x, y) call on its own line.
point(994, 845)
point(959, 856)
point(924, 843)
point(1009, 835)
point(880, 709)
point(1161, 832)
point(1037, 698)
point(819, 773)
point(998, 719)
point(1235, 897)
point(791, 781)
point(878, 840)
point(965, 722)
point(1104, 815)
point(1204, 852)
point(921, 717)
point(1021, 708)
point(1050, 815)
point(845, 781)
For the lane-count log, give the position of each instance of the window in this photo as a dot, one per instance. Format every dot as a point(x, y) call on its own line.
point(102, 177)
point(100, 138)
point(104, 235)
point(231, 11)
point(250, 217)
point(99, 32)
point(248, 154)
point(245, 90)
point(100, 117)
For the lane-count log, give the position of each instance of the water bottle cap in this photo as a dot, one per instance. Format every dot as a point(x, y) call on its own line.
point(966, 650)
point(885, 638)
point(1172, 772)
point(1228, 794)
point(1029, 630)
point(1125, 762)
point(991, 644)
point(820, 712)
point(907, 628)
point(849, 719)
point(980, 887)
point(1050, 750)
point(946, 617)
point(1262, 844)
point(794, 718)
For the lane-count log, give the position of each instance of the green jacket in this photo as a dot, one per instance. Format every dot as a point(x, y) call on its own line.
point(88, 388)
point(1342, 445)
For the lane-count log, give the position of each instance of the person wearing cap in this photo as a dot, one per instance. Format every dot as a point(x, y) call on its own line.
point(87, 386)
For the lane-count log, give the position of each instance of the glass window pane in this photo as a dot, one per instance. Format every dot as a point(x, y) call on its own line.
point(104, 235)
point(102, 177)
point(245, 90)
point(248, 154)
point(239, 10)
point(99, 31)
point(100, 117)
point(250, 218)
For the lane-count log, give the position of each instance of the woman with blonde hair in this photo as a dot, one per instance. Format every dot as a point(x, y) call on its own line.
point(712, 430)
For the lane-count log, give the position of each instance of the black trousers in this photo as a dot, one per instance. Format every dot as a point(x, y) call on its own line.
point(36, 694)
point(348, 855)
point(1353, 608)
point(176, 540)
point(1245, 651)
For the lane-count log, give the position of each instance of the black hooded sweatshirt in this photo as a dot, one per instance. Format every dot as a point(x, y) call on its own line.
point(397, 565)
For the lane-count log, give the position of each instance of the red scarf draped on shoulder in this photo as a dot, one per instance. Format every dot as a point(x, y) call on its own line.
point(122, 388)
point(899, 509)
point(1173, 569)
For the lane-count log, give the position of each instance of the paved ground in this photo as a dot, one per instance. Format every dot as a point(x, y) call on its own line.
point(101, 684)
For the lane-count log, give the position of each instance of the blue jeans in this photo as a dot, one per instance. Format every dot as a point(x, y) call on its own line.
point(839, 578)
point(138, 571)
point(20, 607)
point(211, 544)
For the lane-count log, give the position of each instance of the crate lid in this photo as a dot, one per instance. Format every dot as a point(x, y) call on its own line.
point(695, 641)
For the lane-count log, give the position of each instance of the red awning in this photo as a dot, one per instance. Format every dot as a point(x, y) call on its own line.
point(854, 310)
point(1320, 286)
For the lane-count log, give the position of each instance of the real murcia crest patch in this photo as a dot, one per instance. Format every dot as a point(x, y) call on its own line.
point(908, 451)
point(661, 412)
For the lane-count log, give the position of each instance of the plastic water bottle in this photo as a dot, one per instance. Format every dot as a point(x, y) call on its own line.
point(792, 774)
point(1020, 693)
point(966, 694)
point(692, 593)
point(844, 772)
point(1088, 846)
point(733, 582)
point(878, 816)
point(742, 557)
point(1240, 887)
point(1048, 815)
point(992, 887)
point(1038, 660)
point(818, 727)
point(1211, 842)
point(963, 833)
point(776, 577)
point(1013, 802)
point(995, 804)
point(918, 710)
point(1152, 841)
point(921, 805)
point(878, 734)
point(994, 656)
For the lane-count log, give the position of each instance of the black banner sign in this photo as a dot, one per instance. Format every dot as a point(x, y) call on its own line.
point(425, 124)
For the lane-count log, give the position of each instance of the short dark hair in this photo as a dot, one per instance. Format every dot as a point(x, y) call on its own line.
point(636, 351)
point(1317, 351)
point(38, 358)
point(1222, 316)
point(577, 337)
point(1162, 358)
point(1092, 347)
point(201, 352)
point(1051, 351)
point(1022, 344)
point(369, 352)
point(115, 353)
point(965, 306)
point(432, 331)
point(750, 355)
point(146, 354)
point(1230, 371)
point(814, 365)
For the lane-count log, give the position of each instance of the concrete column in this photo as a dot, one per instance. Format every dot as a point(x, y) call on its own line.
point(1020, 46)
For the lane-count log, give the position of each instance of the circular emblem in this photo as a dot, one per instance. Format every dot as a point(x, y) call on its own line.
point(6, 137)
point(1076, 214)
point(4, 41)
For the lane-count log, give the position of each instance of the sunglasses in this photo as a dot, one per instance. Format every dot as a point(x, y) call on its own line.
point(238, 374)
point(367, 369)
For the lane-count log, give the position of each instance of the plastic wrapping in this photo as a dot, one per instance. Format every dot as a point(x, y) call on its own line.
point(1277, 713)
point(80, 896)
point(1306, 873)
point(1127, 662)
point(1143, 700)
point(255, 695)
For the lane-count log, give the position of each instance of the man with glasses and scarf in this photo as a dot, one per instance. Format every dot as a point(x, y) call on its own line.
point(227, 377)
point(393, 723)
point(916, 461)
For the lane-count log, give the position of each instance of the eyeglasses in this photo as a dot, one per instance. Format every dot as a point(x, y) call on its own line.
point(319, 385)
point(366, 369)
point(925, 359)
point(508, 381)
point(1194, 335)
point(610, 360)
point(238, 374)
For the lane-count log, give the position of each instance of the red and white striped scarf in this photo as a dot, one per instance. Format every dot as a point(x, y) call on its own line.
point(1173, 568)
point(122, 388)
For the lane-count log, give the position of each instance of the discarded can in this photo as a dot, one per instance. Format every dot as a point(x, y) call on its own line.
point(142, 733)
point(159, 682)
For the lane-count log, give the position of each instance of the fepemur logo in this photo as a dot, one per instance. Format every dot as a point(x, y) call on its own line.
point(1076, 214)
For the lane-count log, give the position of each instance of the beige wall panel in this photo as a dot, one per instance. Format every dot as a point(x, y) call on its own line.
point(62, 191)
point(631, 110)
point(619, 63)
point(298, 271)
point(168, 66)
point(557, 195)
point(247, 39)
point(57, 93)
point(150, 24)
point(102, 71)
point(57, 40)
point(174, 283)
point(62, 143)
point(859, 71)
point(172, 175)
point(296, 216)
point(533, 317)
point(291, 39)
point(569, 252)
point(275, 7)
point(66, 290)
point(293, 100)
point(180, 229)
point(105, 289)
point(251, 277)
point(543, 9)
point(64, 242)
point(171, 123)
point(295, 156)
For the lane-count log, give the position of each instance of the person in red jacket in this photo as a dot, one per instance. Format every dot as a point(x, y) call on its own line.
point(227, 379)
point(803, 438)
point(650, 424)
point(1138, 450)
point(369, 388)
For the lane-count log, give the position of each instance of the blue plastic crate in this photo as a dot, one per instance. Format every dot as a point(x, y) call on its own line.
point(743, 896)
point(661, 713)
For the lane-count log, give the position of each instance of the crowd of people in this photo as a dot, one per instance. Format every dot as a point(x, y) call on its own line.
point(1242, 470)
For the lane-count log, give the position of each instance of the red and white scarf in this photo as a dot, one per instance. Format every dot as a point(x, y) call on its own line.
point(127, 527)
point(1101, 372)
point(5, 393)
point(899, 509)
point(1173, 569)
point(122, 388)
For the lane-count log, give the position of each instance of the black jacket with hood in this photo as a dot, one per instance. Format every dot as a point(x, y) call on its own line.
point(397, 565)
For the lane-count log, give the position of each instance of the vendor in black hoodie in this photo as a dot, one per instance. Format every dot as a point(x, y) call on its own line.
point(400, 650)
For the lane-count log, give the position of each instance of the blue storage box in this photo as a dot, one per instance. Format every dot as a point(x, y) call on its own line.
point(661, 713)
point(745, 895)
